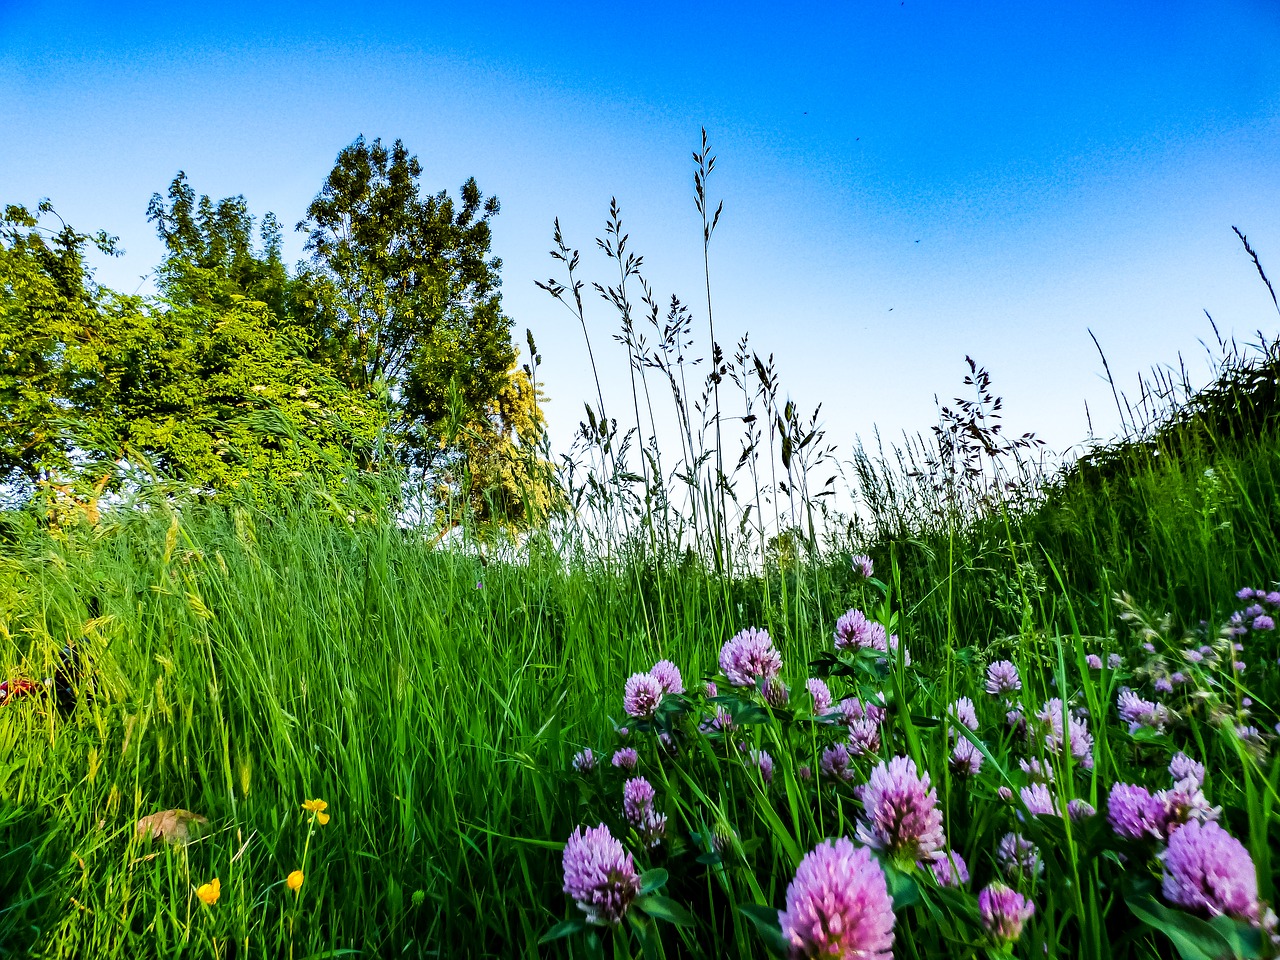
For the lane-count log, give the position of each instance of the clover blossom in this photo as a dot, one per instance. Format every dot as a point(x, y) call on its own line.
point(599, 875)
point(1036, 771)
point(1038, 800)
point(638, 808)
point(1075, 737)
point(966, 759)
point(949, 869)
point(838, 905)
point(1003, 912)
point(1210, 871)
point(836, 762)
point(641, 696)
point(1079, 810)
point(820, 693)
point(765, 762)
point(625, 759)
point(1017, 856)
point(864, 737)
point(855, 631)
point(854, 709)
point(749, 656)
point(1134, 813)
point(900, 812)
point(584, 761)
point(862, 566)
point(1002, 678)
point(1182, 767)
point(1182, 804)
point(668, 675)
point(1139, 713)
point(964, 711)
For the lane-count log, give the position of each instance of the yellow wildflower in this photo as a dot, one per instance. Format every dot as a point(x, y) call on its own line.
point(209, 892)
point(295, 880)
point(317, 807)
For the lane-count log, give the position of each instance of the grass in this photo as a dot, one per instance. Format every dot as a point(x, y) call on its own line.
point(247, 661)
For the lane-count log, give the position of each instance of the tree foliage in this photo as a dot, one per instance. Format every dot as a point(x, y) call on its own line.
point(387, 348)
point(406, 291)
point(48, 307)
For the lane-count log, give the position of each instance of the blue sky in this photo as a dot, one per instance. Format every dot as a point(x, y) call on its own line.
point(904, 183)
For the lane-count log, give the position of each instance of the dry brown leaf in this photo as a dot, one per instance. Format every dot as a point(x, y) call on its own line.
point(173, 826)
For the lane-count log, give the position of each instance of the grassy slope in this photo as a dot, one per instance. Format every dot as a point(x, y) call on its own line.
point(247, 662)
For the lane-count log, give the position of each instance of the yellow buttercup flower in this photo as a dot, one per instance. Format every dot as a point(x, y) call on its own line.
point(318, 808)
point(209, 892)
point(295, 880)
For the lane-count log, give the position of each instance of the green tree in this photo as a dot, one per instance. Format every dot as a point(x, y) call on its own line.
point(406, 292)
point(48, 309)
point(222, 397)
point(210, 255)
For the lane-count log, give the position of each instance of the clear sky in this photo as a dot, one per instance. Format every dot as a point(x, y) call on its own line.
point(904, 182)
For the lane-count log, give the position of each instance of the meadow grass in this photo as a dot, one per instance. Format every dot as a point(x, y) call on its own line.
point(244, 661)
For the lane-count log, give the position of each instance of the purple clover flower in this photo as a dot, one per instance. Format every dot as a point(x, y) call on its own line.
point(1039, 800)
point(862, 566)
point(641, 696)
point(964, 711)
point(1018, 856)
point(966, 759)
point(855, 631)
point(1002, 678)
point(626, 758)
point(709, 689)
point(1209, 871)
point(820, 693)
point(1134, 813)
point(1036, 770)
point(668, 674)
point(584, 761)
point(836, 762)
point(1182, 804)
point(637, 806)
point(838, 905)
point(1079, 810)
point(1163, 685)
point(775, 693)
point(765, 762)
point(900, 812)
point(637, 800)
point(1093, 661)
point(864, 737)
point(1182, 767)
point(599, 875)
point(949, 869)
point(1076, 737)
point(1114, 661)
point(1139, 713)
point(854, 709)
point(750, 656)
point(1003, 912)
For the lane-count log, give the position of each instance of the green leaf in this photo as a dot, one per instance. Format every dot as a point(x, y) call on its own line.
point(664, 908)
point(652, 880)
point(765, 919)
point(902, 888)
point(565, 928)
point(1194, 938)
point(1244, 938)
